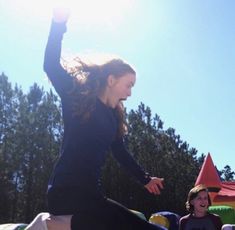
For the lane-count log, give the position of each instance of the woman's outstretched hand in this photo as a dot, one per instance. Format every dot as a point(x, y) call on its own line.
point(61, 14)
point(155, 185)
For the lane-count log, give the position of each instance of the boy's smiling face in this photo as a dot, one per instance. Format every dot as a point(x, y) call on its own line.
point(200, 203)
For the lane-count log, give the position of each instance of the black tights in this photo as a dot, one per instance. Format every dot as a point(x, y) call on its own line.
point(93, 211)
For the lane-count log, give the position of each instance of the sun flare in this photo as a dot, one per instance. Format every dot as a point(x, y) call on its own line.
point(89, 12)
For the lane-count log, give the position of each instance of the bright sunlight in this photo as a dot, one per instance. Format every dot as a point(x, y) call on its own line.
point(88, 12)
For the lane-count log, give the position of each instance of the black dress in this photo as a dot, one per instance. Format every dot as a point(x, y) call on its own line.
point(74, 187)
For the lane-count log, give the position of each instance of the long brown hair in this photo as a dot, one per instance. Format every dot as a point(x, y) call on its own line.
point(90, 80)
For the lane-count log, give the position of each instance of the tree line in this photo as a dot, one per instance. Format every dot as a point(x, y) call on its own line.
point(31, 130)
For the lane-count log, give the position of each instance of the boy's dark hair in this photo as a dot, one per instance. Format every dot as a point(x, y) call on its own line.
point(193, 194)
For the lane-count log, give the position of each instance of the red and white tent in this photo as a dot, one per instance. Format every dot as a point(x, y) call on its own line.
point(226, 196)
point(221, 192)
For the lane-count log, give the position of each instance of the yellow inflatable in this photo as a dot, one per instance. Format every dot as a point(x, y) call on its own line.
point(159, 219)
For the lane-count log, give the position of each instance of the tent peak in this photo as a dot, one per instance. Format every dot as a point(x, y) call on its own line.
point(208, 175)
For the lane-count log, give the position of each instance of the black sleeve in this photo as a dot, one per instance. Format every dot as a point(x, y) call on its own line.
point(60, 79)
point(182, 221)
point(217, 221)
point(181, 224)
point(126, 160)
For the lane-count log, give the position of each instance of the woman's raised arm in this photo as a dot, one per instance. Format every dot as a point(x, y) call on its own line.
point(59, 77)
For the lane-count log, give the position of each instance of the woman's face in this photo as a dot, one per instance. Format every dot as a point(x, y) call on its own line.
point(200, 203)
point(120, 88)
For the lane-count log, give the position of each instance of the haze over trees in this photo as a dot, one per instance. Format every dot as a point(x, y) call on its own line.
point(31, 130)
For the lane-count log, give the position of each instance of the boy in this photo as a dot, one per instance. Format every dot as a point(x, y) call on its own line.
point(199, 218)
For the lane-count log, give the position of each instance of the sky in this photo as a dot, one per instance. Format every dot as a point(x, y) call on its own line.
point(183, 52)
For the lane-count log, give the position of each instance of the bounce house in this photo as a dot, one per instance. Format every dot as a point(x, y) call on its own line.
point(226, 195)
point(222, 193)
